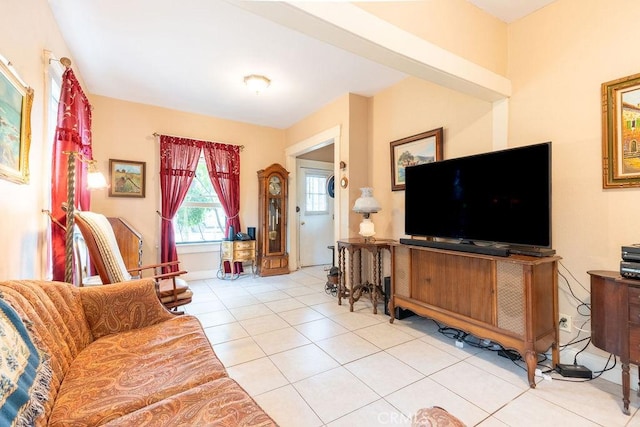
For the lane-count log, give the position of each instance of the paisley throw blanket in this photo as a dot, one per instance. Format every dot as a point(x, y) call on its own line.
point(24, 372)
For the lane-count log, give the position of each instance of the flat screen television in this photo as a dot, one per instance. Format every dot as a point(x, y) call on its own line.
point(502, 197)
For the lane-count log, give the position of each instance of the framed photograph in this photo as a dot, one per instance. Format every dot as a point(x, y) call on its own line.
point(425, 147)
point(621, 132)
point(126, 178)
point(16, 100)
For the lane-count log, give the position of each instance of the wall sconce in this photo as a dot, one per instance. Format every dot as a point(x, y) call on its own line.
point(366, 204)
point(95, 179)
point(257, 83)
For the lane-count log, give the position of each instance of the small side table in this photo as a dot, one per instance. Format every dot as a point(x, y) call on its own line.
point(615, 322)
point(236, 251)
point(355, 286)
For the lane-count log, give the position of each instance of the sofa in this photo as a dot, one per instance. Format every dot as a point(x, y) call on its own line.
point(110, 355)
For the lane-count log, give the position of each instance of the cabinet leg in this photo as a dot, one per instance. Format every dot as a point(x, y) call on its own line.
point(341, 275)
point(352, 288)
point(531, 358)
point(625, 388)
point(374, 298)
point(392, 309)
point(375, 286)
point(555, 353)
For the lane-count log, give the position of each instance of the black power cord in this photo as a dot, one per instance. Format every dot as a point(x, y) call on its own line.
point(515, 357)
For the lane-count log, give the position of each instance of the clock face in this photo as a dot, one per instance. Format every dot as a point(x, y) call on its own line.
point(274, 185)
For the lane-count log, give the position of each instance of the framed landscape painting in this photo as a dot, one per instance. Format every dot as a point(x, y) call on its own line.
point(621, 132)
point(126, 178)
point(16, 100)
point(425, 147)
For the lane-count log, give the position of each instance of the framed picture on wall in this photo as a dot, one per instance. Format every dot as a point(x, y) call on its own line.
point(126, 178)
point(16, 100)
point(621, 132)
point(425, 147)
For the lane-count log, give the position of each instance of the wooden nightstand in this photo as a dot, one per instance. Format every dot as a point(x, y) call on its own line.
point(615, 322)
point(236, 251)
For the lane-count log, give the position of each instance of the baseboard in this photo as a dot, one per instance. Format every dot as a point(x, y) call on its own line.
point(199, 275)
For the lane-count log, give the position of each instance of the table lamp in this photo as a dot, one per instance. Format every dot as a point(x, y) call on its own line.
point(366, 204)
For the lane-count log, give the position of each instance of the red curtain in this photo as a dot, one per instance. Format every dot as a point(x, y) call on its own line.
point(73, 133)
point(178, 162)
point(223, 165)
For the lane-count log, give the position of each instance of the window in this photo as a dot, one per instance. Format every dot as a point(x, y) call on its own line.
point(53, 83)
point(316, 194)
point(201, 217)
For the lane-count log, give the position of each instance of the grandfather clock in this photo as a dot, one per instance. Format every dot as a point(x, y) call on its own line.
point(273, 258)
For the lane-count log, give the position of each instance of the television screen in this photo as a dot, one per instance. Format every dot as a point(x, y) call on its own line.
point(498, 197)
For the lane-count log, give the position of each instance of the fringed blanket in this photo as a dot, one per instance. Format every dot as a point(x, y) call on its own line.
point(25, 373)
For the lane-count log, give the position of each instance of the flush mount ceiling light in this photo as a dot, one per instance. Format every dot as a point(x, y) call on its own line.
point(257, 83)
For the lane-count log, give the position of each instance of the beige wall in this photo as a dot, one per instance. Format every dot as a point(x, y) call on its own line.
point(26, 28)
point(411, 107)
point(350, 112)
point(558, 58)
point(454, 25)
point(333, 114)
point(124, 130)
point(360, 155)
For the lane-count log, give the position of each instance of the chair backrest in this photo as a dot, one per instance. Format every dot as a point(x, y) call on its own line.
point(103, 246)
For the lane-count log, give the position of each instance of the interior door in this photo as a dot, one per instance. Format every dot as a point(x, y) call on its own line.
point(315, 213)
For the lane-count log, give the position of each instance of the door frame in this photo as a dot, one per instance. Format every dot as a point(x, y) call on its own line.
point(301, 166)
point(319, 140)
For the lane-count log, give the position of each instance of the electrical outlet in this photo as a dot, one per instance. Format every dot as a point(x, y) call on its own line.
point(565, 322)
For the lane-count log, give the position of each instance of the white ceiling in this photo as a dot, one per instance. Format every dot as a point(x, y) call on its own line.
point(192, 56)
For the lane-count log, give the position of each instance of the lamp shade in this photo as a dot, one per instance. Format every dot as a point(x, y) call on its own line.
point(366, 203)
point(96, 180)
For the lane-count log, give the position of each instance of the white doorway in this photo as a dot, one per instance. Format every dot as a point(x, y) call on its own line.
point(315, 212)
point(322, 139)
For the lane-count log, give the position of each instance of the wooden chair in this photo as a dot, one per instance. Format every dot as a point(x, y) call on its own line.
point(107, 260)
point(81, 262)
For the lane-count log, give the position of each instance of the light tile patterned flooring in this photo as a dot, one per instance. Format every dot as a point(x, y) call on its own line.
point(310, 362)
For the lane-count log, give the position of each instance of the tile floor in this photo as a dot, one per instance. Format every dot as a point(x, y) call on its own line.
point(310, 362)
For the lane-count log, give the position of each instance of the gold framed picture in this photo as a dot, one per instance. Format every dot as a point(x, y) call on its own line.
point(126, 178)
point(425, 147)
point(621, 132)
point(16, 100)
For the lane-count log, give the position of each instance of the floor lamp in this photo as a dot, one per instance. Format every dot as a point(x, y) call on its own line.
point(95, 179)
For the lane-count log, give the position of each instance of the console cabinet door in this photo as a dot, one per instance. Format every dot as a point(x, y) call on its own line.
point(469, 288)
point(428, 277)
point(461, 284)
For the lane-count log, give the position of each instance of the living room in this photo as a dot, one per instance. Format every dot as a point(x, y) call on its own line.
point(555, 59)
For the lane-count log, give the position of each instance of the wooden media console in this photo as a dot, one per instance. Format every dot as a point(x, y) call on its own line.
point(511, 300)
